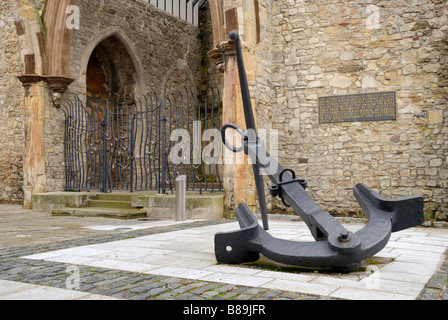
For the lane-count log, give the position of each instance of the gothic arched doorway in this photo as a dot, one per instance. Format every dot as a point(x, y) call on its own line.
point(111, 86)
point(110, 72)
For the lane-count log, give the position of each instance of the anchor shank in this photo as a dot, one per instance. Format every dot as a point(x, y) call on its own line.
point(250, 124)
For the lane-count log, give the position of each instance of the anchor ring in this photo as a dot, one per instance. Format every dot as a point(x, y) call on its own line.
point(276, 189)
point(237, 129)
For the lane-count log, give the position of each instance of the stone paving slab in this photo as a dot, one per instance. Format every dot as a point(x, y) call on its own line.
point(10, 290)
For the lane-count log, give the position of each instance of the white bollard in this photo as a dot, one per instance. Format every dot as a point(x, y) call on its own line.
point(181, 198)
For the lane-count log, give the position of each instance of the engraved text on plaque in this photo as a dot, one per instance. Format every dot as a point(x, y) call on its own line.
point(358, 107)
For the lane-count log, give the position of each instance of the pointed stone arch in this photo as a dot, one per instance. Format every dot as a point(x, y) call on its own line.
point(182, 68)
point(141, 87)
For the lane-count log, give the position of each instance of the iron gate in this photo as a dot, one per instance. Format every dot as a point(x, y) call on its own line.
point(131, 145)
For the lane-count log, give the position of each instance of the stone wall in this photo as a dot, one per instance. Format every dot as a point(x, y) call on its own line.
point(12, 118)
point(328, 47)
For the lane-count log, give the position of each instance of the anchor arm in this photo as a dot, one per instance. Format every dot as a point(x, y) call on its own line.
point(247, 244)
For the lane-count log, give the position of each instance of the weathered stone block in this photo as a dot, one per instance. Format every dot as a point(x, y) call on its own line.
point(435, 116)
point(46, 202)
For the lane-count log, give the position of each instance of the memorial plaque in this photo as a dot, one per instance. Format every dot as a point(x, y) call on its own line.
point(358, 107)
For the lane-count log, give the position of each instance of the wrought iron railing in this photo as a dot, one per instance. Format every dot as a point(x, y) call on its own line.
point(143, 144)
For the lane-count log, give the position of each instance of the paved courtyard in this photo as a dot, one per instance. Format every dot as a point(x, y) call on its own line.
point(164, 259)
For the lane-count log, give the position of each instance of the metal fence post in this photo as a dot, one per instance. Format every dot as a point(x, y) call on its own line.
point(181, 198)
point(104, 159)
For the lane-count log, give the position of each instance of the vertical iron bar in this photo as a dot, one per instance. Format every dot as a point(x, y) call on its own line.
point(146, 143)
point(81, 156)
point(171, 126)
point(69, 147)
point(159, 140)
point(212, 126)
point(219, 155)
point(182, 117)
point(104, 128)
point(131, 154)
point(190, 125)
point(192, 164)
point(164, 162)
point(108, 116)
point(152, 142)
point(94, 148)
point(65, 147)
point(140, 156)
point(88, 151)
point(115, 134)
point(156, 153)
point(78, 161)
point(121, 147)
point(205, 128)
point(198, 119)
point(97, 147)
point(126, 143)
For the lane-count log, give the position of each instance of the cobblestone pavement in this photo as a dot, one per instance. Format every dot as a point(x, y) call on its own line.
point(48, 235)
point(122, 284)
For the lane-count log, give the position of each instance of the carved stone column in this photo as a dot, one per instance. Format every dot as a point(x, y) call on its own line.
point(238, 176)
point(34, 172)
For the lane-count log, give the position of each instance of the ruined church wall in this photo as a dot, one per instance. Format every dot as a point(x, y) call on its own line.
point(327, 48)
point(163, 48)
point(158, 41)
point(12, 117)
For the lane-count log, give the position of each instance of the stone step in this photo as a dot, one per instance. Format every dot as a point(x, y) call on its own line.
point(115, 213)
point(114, 196)
point(110, 204)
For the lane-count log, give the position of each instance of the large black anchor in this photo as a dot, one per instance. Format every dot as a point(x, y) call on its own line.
point(335, 246)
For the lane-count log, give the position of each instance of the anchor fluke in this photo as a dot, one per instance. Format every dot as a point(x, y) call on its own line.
point(405, 212)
